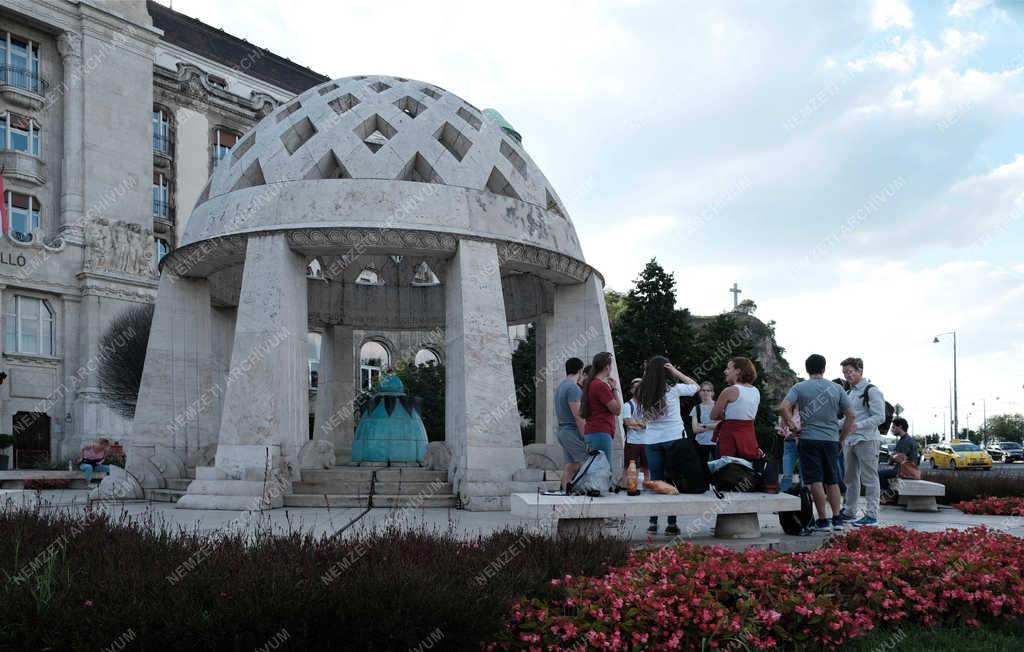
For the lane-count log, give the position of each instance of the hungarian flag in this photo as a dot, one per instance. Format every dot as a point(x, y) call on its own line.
point(3, 202)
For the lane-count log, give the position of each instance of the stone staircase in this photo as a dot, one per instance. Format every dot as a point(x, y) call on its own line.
point(353, 486)
point(372, 487)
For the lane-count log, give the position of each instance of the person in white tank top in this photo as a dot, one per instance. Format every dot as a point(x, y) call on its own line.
point(736, 407)
point(746, 404)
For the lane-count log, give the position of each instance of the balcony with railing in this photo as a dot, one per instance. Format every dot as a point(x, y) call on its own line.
point(22, 87)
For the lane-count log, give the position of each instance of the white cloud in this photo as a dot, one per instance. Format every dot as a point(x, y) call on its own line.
point(962, 8)
point(887, 14)
point(888, 315)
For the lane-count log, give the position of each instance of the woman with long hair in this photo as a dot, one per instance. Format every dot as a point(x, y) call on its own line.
point(736, 407)
point(658, 400)
point(599, 405)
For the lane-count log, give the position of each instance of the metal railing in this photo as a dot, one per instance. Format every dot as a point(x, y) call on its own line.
point(161, 209)
point(22, 78)
point(164, 144)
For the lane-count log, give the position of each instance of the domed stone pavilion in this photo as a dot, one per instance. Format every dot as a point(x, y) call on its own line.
point(418, 212)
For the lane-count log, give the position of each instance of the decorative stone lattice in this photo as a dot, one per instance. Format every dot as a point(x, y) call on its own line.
point(385, 128)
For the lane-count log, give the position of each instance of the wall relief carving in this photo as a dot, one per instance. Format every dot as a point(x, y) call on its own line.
point(118, 246)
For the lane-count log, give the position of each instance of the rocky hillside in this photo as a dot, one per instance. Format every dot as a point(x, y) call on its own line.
point(779, 376)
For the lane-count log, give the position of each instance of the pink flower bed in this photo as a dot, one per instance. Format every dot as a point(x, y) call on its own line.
point(697, 597)
point(993, 506)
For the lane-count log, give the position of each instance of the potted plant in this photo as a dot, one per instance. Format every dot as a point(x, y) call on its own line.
point(6, 441)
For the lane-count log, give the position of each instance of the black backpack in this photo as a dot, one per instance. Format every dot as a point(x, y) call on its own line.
point(685, 468)
point(795, 522)
point(736, 477)
point(883, 427)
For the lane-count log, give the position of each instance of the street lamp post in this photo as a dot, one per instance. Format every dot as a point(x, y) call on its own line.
point(956, 411)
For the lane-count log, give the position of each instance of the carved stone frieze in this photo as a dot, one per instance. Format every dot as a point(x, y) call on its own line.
point(120, 247)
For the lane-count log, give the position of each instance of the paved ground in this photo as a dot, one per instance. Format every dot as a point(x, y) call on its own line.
point(354, 521)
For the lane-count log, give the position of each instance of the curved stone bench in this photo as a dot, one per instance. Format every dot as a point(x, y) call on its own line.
point(735, 514)
point(918, 495)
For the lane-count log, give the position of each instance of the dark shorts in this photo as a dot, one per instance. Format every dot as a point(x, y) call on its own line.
point(819, 461)
point(636, 452)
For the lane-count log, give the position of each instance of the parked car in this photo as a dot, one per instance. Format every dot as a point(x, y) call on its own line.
point(958, 455)
point(1006, 451)
point(885, 453)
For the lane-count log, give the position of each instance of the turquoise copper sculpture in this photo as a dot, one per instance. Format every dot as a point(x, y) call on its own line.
point(390, 428)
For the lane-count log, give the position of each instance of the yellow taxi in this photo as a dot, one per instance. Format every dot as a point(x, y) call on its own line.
point(958, 454)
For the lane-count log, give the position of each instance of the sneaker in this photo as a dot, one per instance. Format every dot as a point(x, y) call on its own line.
point(652, 529)
point(672, 530)
point(554, 492)
point(867, 520)
point(822, 525)
point(837, 524)
point(844, 516)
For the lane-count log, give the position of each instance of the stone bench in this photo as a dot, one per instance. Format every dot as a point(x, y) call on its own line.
point(735, 514)
point(16, 479)
point(918, 495)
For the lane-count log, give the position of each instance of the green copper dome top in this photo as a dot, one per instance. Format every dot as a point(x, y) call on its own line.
point(391, 385)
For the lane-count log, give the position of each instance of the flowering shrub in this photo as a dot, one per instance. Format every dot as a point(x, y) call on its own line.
point(993, 506)
point(80, 582)
point(693, 597)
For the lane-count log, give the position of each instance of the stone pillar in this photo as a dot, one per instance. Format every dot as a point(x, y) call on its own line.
point(481, 418)
point(265, 417)
point(69, 44)
point(176, 410)
point(580, 328)
point(334, 417)
point(549, 373)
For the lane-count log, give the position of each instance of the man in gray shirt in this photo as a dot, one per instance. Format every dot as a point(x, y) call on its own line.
point(819, 401)
point(861, 452)
point(570, 425)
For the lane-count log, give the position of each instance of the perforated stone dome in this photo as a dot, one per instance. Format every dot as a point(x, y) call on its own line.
point(374, 151)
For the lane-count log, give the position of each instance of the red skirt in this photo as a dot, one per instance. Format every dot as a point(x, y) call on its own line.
point(736, 438)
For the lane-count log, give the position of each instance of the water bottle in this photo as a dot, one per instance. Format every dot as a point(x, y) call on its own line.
point(640, 481)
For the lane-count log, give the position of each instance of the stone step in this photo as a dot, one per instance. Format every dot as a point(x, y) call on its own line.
point(411, 475)
point(384, 500)
point(164, 495)
point(338, 487)
point(326, 500)
point(228, 487)
point(179, 484)
point(342, 473)
point(436, 488)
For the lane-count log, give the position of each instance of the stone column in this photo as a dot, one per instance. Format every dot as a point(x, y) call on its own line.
point(549, 374)
point(69, 44)
point(176, 408)
point(481, 418)
point(580, 328)
point(334, 417)
point(265, 417)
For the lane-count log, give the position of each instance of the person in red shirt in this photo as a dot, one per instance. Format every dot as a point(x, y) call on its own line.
point(600, 405)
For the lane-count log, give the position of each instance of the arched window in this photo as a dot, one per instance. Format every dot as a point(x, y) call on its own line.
point(162, 141)
point(314, 269)
point(427, 356)
point(374, 359)
point(28, 325)
point(161, 248)
point(313, 341)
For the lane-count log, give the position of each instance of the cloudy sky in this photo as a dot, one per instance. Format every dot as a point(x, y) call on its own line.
point(857, 167)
